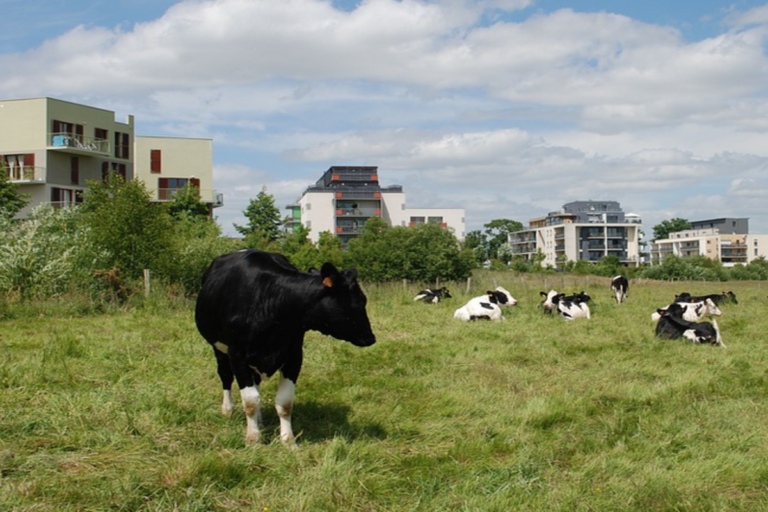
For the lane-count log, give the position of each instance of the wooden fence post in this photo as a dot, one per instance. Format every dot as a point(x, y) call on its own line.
point(146, 282)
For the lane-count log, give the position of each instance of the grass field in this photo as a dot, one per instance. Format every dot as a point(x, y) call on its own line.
point(120, 410)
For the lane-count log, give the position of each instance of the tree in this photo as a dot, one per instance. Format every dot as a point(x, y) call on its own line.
point(497, 231)
point(420, 253)
point(477, 242)
point(662, 230)
point(264, 221)
point(11, 200)
point(186, 203)
point(125, 222)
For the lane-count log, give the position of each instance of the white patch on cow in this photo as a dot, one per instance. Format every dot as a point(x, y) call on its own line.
point(690, 335)
point(227, 406)
point(286, 390)
point(717, 330)
point(221, 347)
point(251, 398)
point(694, 311)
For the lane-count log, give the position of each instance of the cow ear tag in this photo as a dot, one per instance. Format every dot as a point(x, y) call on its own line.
point(328, 282)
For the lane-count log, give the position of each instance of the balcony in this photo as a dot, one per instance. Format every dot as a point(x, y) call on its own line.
point(207, 196)
point(26, 174)
point(350, 229)
point(358, 212)
point(79, 144)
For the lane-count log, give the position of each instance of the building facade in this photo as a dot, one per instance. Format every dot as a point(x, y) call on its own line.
point(168, 164)
point(345, 197)
point(726, 240)
point(581, 230)
point(51, 148)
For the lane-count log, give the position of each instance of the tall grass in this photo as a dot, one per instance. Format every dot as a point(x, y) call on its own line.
point(118, 409)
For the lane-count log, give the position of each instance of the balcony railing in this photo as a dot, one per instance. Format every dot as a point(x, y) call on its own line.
point(82, 143)
point(26, 174)
point(206, 195)
point(358, 212)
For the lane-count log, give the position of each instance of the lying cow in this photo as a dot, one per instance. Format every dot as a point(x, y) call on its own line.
point(620, 288)
point(672, 326)
point(486, 307)
point(694, 311)
point(717, 298)
point(573, 306)
point(254, 308)
point(432, 295)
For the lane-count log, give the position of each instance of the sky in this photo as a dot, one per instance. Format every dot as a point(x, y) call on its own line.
point(506, 108)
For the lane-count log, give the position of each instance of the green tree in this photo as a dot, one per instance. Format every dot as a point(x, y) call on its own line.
point(662, 230)
point(11, 200)
point(477, 242)
point(186, 203)
point(497, 231)
point(125, 222)
point(420, 253)
point(264, 221)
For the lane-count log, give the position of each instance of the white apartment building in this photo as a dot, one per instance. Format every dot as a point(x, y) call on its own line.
point(726, 240)
point(345, 197)
point(50, 148)
point(581, 230)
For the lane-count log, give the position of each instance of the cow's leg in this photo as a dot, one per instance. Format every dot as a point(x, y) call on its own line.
point(248, 381)
point(224, 369)
point(286, 390)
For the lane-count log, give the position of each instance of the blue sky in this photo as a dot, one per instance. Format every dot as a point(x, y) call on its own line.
point(506, 108)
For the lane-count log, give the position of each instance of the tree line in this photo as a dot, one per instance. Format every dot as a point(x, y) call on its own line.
point(104, 244)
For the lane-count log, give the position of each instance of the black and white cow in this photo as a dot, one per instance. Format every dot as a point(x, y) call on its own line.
point(573, 306)
point(717, 298)
point(433, 295)
point(620, 288)
point(486, 307)
point(254, 308)
point(672, 326)
point(694, 311)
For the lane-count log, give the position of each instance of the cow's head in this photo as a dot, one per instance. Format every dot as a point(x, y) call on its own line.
point(501, 297)
point(341, 310)
point(445, 293)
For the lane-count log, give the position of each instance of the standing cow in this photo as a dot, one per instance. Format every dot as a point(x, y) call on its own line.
point(254, 308)
point(620, 288)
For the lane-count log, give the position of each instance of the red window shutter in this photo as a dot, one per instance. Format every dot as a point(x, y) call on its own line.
point(374, 177)
point(335, 177)
point(196, 183)
point(162, 185)
point(155, 161)
point(377, 194)
point(339, 195)
point(122, 170)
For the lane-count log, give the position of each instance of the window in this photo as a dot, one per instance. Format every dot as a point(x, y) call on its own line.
point(74, 170)
point(61, 197)
point(19, 167)
point(122, 145)
point(155, 161)
point(167, 187)
point(68, 131)
point(113, 168)
point(435, 220)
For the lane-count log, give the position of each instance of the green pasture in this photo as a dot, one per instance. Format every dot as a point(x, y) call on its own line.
point(118, 409)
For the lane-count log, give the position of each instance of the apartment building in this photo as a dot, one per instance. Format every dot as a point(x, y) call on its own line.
point(52, 148)
point(345, 197)
point(581, 230)
point(168, 164)
point(726, 240)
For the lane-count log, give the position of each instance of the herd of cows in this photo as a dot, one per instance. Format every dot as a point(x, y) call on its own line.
point(681, 319)
point(255, 307)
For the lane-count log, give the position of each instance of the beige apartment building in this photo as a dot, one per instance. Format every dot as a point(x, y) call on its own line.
point(581, 230)
point(726, 240)
point(52, 148)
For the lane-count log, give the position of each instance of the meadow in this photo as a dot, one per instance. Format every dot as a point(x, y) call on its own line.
point(118, 409)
